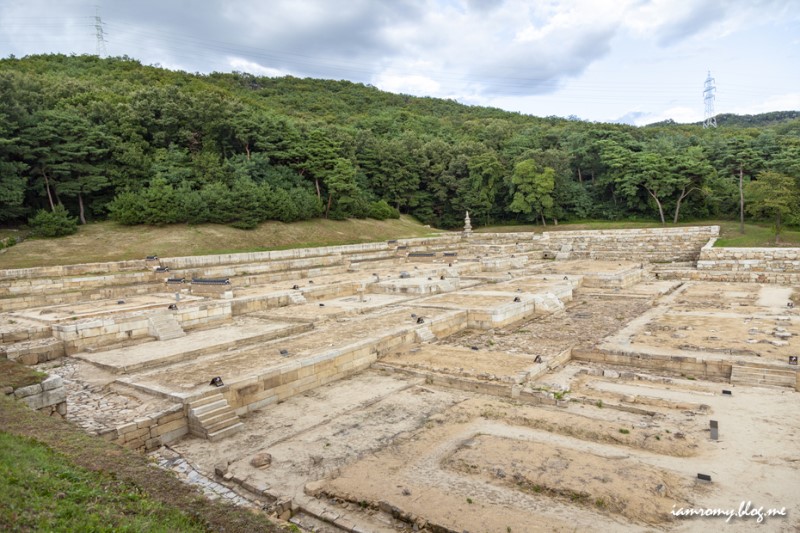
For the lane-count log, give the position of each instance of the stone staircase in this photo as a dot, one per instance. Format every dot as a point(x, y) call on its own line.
point(760, 376)
point(297, 298)
point(425, 335)
point(565, 253)
point(212, 418)
point(164, 326)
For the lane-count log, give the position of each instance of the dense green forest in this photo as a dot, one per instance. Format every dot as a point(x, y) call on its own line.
point(94, 138)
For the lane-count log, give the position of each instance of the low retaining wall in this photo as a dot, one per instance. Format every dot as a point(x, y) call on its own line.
point(689, 366)
point(780, 278)
point(32, 353)
point(99, 332)
point(295, 377)
point(652, 244)
point(751, 260)
point(59, 298)
point(73, 270)
point(148, 433)
point(48, 397)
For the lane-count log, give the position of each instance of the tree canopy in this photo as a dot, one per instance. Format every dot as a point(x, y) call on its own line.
point(112, 138)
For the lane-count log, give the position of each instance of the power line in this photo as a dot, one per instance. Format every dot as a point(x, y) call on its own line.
point(708, 98)
point(101, 40)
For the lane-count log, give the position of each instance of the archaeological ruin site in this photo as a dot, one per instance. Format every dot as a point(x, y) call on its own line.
point(499, 382)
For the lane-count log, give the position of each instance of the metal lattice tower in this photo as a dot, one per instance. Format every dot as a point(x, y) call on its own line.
point(709, 90)
point(101, 38)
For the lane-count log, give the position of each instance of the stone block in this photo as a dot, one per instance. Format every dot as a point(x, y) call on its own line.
point(162, 429)
point(144, 422)
point(175, 434)
point(28, 359)
point(30, 390)
point(271, 382)
point(35, 401)
point(52, 382)
point(127, 428)
point(289, 377)
point(137, 434)
point(54, 396)
point(272, 398)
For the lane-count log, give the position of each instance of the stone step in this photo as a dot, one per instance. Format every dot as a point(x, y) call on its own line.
point(227, 432)
point(231, 420)
point(297, 298)
point(206, 400)
point(165, 326)
point(212, 417)
point(425, 335)
point(216, 416)
point(199, 412)
point(759, 376)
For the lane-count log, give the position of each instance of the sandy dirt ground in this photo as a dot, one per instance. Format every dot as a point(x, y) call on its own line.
point(476, 467)
point(585, 321)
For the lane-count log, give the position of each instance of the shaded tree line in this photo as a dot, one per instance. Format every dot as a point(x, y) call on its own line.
point(111, 138)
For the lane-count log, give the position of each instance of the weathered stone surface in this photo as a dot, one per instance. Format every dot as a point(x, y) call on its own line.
point(30, 390)
point(261, 459)
point(52, 382)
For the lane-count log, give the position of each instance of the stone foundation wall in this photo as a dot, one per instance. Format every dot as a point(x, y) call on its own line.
point(678, 365)
point(295, 377)
point(32, 353)
point(750, 260)
point(258, 269)
point(38, 285)
point(622, 280)
point(652, 245)
point(99, 332)
point(48, 397)
point(211, 291)
point(781, 278)
point(73, 270)
point(148, 433)
point(56, 298)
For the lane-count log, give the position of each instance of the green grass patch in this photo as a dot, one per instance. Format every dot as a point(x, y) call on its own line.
point(15, 375)
point(108, 241)
point(755, 234)
point(54, 477)
point(43, 491)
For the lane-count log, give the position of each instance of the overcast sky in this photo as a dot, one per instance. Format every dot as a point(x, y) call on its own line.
point(637, 61)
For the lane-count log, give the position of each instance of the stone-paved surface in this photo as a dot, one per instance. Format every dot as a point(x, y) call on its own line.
point(95, 406)
point(173, 461)
point(585, 322)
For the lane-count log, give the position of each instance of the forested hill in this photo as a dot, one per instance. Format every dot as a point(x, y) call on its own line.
point(782, 119)
point(113, 138)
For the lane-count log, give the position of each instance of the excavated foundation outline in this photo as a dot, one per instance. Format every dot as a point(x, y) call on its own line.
point(332, 357)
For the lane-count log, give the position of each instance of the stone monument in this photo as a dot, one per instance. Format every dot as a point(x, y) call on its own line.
point(467, 227)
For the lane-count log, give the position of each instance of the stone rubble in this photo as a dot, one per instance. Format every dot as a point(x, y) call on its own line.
point(174, 462)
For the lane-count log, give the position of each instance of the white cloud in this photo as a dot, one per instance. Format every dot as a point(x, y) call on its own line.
point(243, 65)
point(780, 102)
point(407, 84)
point(678, 114)
point(598, 59)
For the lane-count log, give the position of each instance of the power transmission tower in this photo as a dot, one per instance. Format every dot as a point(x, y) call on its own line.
point(708, 97)
point(101, 38)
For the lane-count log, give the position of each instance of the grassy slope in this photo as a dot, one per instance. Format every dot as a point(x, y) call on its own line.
point(108, 241)
point(54, 477)
point(755, 235)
